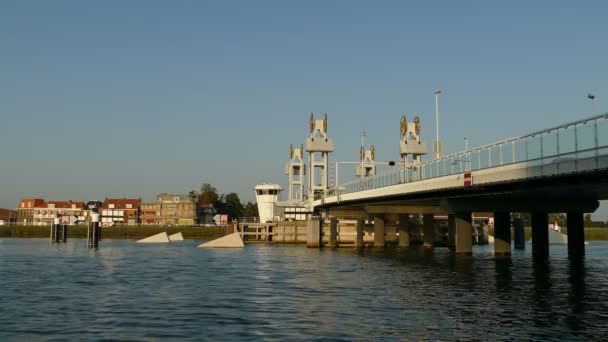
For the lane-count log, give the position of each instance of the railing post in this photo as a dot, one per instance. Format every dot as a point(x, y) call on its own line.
point(513, 152)
point(596, 142)
point(500, 152)
point(490, 157)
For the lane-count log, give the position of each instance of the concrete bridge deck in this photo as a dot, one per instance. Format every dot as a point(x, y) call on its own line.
point(560, 169)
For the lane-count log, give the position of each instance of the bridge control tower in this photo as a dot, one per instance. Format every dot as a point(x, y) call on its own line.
point(295, 170)
point(410, 143)
point(367, 167)
point(318, 144)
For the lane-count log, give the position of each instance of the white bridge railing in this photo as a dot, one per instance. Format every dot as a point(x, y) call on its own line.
point(569, 148)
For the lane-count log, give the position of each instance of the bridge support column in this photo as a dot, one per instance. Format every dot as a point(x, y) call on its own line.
point(333, 231)
point(359, 228)
point(576, 234)
point(429, 230)
point(540, 235)
point(519, 233)
point(379, 230)
point(451, 230)
point(404, 230)
point(314, 233)
point(464, 233)
point(502, 233)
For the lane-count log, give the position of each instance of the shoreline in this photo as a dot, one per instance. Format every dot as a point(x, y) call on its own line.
point(125, 232)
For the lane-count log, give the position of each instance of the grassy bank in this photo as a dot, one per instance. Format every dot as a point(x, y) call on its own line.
point(193, 233)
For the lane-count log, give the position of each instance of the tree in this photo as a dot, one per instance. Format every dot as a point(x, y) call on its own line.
point(208, 195)
point(234, 207)
point(251, 210)
point(560, 219)
point(588, 220)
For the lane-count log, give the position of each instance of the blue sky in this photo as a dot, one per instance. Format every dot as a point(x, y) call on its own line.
point(131, 98)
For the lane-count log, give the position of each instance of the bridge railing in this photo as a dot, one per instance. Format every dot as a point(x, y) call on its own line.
point(569, 148)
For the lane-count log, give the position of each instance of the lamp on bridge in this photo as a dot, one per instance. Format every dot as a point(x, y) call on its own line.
point(592, 98)
point(437, 145)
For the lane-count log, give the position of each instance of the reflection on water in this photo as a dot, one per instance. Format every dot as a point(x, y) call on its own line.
point(176, 291)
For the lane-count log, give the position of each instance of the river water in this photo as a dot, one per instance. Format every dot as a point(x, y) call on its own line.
point(126, 291)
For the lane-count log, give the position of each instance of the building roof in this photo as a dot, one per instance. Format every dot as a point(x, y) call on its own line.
point(33, 202)
point(121, 203)
point(171, 198)
point(268, 187)
point(64, 204)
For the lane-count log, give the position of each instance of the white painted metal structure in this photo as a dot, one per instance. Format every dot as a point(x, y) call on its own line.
point(318, 143)
point(267, 196)
point(573, 148)
point(295, 171)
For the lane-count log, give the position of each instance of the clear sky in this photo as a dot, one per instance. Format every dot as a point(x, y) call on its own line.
point(131, 98)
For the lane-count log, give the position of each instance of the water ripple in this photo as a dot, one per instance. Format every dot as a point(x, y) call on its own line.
point(125, 291)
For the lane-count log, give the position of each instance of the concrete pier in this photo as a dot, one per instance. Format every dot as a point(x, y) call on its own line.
point(576, 234)
point(519, 236)
point(378, 230)
point(429, 230)
point(404, 230)
point(540, 235)
point(333, 232)
point(502, 233)
point(464, 233)
point(451, 230)
point(314, 233)
point(359, 229)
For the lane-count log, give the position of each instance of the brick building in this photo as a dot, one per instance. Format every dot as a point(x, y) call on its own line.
point(45, 213)
point(25, 211)
point(8, 216)
point(120, 211)
point(149, 213)
point(176, 209)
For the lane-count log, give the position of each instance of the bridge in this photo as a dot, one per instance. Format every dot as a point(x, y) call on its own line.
point(561, 169)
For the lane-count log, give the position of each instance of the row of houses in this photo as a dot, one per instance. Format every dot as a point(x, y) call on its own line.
point(168, 209)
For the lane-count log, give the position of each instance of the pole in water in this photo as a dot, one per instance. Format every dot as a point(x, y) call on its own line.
point(65, 233)
point(55, 229)
point(94, 231)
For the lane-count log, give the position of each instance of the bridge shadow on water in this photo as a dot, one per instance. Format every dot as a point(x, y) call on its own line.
point(552, 295)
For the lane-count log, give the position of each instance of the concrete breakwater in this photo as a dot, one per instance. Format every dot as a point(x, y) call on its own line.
point(295, 232)
point(125, 232)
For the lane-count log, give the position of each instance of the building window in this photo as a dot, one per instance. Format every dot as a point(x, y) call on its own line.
point(129, 206)
point(111, 206)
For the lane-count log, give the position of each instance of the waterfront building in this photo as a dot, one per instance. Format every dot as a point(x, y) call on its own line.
point(25, 211)
point(176, 209)
point(7, 216)
point(206, 212)
point(46, 212)
point(149, 213)
point(88, 209)
point(120, 211)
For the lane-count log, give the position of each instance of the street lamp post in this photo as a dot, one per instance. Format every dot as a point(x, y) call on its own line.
point(437, 145)
point(592, 98)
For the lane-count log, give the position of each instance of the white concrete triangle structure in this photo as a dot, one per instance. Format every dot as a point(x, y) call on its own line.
point(158, 238)
point(557, 238)
point(176, 237)
point(229, 241)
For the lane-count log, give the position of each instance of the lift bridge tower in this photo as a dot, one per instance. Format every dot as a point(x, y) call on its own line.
point(367, 166)
point(295, 170)
point(318, 146)
point(410, 143)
